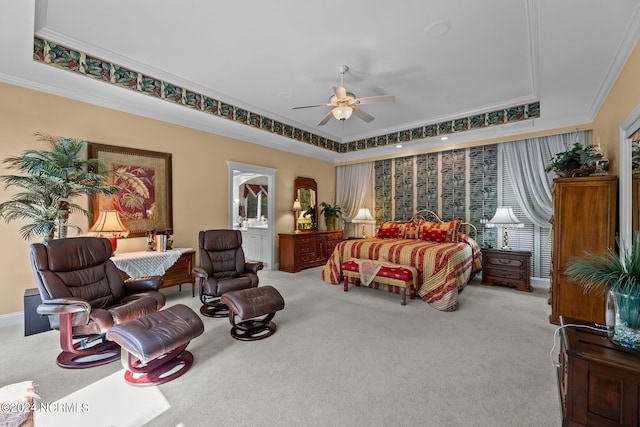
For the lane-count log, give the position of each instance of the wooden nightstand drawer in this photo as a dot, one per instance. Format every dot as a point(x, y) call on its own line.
point(497, 274)
point(512, 263)
point(507, 268)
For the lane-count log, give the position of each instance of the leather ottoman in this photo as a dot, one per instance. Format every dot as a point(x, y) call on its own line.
point(248, 304)
point(158, 342)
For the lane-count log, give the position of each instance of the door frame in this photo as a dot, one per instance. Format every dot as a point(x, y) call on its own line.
point(270, 173)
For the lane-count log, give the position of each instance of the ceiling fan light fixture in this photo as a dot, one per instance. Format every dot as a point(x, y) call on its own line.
point(342, 112)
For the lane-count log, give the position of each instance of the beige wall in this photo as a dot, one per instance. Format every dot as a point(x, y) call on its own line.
point(198, 157)
point(622, 99)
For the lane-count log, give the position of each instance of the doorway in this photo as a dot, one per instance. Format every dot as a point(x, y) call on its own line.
point(252, 193)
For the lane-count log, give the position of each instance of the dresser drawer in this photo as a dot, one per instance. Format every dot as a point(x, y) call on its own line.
point(508, 262)
point(306, 259)
point(307, 249)
point(335, 238)
point(301, 241)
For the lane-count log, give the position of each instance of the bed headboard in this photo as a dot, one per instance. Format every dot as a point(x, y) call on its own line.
point(427, 215)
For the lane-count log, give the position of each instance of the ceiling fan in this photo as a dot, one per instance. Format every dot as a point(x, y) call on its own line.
point(345, 103)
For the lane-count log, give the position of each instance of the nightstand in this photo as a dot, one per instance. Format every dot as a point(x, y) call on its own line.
point(507, 268)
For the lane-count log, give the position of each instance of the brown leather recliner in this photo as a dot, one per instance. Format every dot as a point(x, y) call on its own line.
point(222, 268)
point(84, 295)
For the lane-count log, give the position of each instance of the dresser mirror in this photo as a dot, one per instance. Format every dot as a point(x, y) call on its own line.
point(305, 191)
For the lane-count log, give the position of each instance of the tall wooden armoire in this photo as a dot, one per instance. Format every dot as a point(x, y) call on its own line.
point(584, 219)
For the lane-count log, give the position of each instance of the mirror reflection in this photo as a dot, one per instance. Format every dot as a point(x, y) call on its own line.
point(305, 191)
point(251, 201)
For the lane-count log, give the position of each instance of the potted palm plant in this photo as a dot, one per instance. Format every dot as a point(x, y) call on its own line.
point(48, 181)
point(330, 214)
point(619, 278)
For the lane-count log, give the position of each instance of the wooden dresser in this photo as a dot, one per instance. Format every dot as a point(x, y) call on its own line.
point(584, 219)
point(507, 268)
point(306, 249)
point(598, 381)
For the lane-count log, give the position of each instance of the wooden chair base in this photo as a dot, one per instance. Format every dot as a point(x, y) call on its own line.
point(82, 359)
point(253, 329)
point(248, 305)
point(158, 371)
point(214, 311)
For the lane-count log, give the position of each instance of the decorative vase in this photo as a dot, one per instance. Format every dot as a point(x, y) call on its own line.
point(331, 223)
point(623, 320)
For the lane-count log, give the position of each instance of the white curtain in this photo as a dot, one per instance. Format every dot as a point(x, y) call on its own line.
point(526, 162)
point(354, 189)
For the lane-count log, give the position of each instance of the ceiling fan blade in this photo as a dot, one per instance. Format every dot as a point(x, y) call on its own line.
point(311, 106)
point(362, 115)
point(373, 99)
point(326, 119)
point(340, 92)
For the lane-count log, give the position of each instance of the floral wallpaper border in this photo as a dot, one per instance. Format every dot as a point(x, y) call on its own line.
point(52, 53)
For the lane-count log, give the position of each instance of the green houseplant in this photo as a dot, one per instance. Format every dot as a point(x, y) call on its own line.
point(578, 161)
point(330, 214)
point(619, 278)
point(48, 181)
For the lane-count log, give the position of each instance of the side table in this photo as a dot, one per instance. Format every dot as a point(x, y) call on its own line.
point(507, 268)
point(174, 266)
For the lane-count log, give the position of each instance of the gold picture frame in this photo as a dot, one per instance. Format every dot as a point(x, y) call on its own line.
point(144, 202)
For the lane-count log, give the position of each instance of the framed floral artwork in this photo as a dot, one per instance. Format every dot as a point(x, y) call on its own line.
point(144, 177)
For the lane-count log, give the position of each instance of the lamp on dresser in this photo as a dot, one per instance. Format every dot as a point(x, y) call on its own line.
point(505, 218)
point(296, 210)
point(109, 225)
point(364, 217)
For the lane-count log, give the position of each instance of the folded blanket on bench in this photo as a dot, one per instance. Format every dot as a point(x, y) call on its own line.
point(370, 268)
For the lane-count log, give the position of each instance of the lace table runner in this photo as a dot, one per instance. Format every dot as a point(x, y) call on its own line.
point(147, 263)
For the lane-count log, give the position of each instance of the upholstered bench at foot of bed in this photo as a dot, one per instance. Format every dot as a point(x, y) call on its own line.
point(158, 341)
point(396, 275)
point(249, 304)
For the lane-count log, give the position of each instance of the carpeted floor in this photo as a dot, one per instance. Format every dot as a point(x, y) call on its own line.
point(337, 359)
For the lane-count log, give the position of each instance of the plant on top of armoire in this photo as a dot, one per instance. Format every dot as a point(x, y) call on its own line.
point(580, 160)
point(618, 277)
point(47, 183)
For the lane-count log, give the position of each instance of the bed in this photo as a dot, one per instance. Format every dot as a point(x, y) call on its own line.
point(444, 254)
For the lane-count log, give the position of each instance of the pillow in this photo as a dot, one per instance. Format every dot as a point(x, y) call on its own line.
point(411, 230)
point(389, 230)
point(445, 232)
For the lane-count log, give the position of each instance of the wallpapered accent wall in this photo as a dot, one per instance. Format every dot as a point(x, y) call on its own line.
point(456, 184)
point(51, 53)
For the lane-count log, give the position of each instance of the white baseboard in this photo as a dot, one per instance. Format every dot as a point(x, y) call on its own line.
point(540, 282)
point(11, 319)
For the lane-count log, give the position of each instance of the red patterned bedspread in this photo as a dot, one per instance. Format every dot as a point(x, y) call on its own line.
point(443, 268)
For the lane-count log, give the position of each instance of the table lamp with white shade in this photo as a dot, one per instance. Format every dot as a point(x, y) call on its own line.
point(109, 225)
point(364, 217)
point(296, 211)
point(506, 219)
